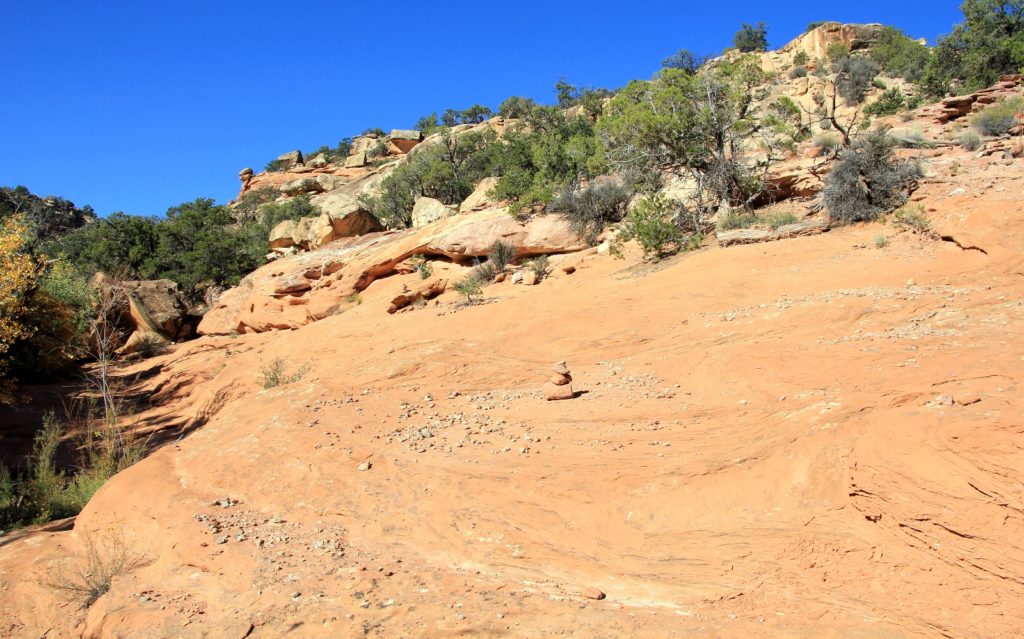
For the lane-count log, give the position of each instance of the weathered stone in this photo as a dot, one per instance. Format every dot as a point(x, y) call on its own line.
point(356, 160)
point(593, 593)
point(479, 198)
point(428, 210)
point(290, 159)
point(401, 141)
point(300, 186)
point(428, 292)
point(530, 277)
point(559, 379)
point(553, 392)
point(318, 162)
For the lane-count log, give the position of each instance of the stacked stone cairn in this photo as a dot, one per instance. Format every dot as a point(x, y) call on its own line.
point(559, 385)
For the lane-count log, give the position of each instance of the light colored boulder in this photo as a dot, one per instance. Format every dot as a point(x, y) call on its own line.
point(300, 186)
point(318, 162)
point(542, 235)
point(428, 210)
point(283, 234)
point(479, 198)
point(290, 159)
point(402, 141)
point(356, 160)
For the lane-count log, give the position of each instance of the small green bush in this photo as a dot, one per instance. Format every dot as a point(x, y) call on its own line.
point(88, 576)
point(501, 255)
point(999, 118)
point(777, 220)
point(539, 265)
point(422, 266)
point(736, 219)
point(837, 52)
point(855, 75)
point(470, 287)
point(912, 217)
point(826, 141)
point(890, 102)
point(588, 209)
point(970, 140)
point(651, 223)
point(881, 241)
point(274, 374)
point(801, 58)
point(798, 72)
point(868, 180)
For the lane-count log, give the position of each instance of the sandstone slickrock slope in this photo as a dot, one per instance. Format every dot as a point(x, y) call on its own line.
point(815, 437)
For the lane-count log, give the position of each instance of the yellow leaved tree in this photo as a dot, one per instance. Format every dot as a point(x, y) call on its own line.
point(17, 278)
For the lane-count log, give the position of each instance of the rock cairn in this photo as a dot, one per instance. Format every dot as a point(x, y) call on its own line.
point(559, 385)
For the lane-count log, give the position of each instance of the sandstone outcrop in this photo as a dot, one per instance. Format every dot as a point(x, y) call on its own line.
point(295, 290)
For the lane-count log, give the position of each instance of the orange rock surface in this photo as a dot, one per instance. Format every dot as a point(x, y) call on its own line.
point(761, 447)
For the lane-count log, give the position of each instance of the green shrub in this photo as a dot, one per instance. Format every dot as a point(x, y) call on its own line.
point(751, 38)
point(87, 577)
point(548, 152)
point(778, 220)
point(868, 180)
point(588, 209)
point(837, 52)
point(798, 72)
point(501, 255)
point(422, 266)
point(889, 103)
point(899, 55)
point(651, 222)
point(999, 118)
point(801, 58)
point(881, 241)
point(427, 124)
point(684, 60)
point(470, 287)
point(540, 266)
point(736, 219)
point(912, 217)
point(854, 77)
point(970, 140)
point(988, 44)
point(516, 107)
point(827, 141)
point(44, 492)
point(274, 374)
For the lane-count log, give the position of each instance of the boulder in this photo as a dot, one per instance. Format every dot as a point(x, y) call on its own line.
point(356, 160)
point(480, 197)
point(428, 210)
point(283, 234)
point(156, 306)
point(554, 392)
point(318, 162)
point(300, 186)
point(428, 292)
point(290, 159)
point(475, 233)
point(401, 141)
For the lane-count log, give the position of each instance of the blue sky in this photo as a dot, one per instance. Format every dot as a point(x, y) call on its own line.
point(138, 106)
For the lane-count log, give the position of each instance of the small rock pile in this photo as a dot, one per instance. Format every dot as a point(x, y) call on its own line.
point(559, 385)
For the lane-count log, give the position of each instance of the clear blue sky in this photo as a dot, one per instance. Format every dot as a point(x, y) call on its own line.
point(137, 106)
